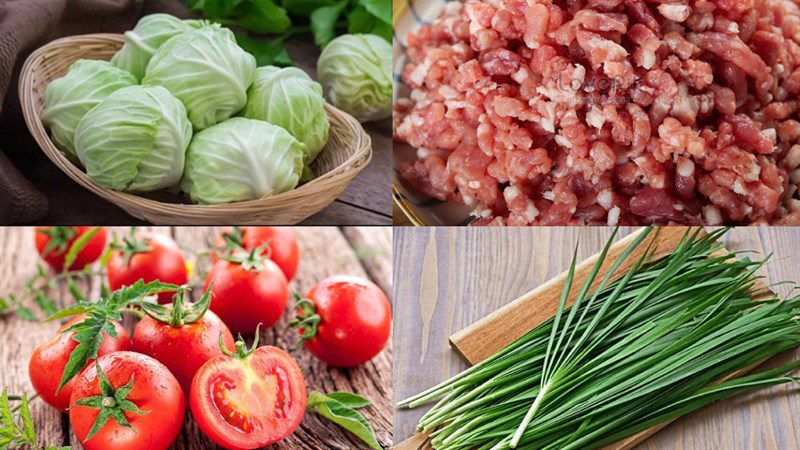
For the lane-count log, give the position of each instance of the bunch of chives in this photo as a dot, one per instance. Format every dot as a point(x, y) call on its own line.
point(626, 356)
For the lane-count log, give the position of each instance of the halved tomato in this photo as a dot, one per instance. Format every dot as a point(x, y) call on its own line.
point(249, 399)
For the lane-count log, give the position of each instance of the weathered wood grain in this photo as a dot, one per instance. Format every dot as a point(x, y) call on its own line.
point(324, 251)
point(446, 279)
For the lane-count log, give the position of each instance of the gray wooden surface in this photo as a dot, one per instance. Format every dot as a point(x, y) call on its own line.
point(447, 278)
point(325, 251)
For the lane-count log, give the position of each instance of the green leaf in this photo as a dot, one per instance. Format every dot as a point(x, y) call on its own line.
point(266, 52)
point(99, 319)
point(262, 16)
point(303, 8)
point(346, 417)
point(12, 435)
point(214, 8)
point(4, 306)
point(350, 400)
point(21, 311)
point(382, 9)
point(362, 21)
point(79, 245)
point(323, 22)
point(46, 304)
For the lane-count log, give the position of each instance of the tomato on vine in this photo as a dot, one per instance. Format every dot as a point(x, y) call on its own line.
point(182, 337)
point(278, 243)
point(248, 289)
point(53, 243)
point(248, 399)
point(48, 361)
point(344, 321)
point(126, 401)
point(149, 257)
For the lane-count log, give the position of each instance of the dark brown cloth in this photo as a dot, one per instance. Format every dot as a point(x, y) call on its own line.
point(27, 178)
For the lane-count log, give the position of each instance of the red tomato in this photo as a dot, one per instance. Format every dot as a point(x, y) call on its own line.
point(155, 391)
point(182, 349)
point(249, 402)
point(355, 321)
point(281, 241)
point(49, 360)
point(53, 243)
point(153, 257)
point(244, 298)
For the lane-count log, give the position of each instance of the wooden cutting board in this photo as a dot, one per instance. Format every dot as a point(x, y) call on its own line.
point(502, 327)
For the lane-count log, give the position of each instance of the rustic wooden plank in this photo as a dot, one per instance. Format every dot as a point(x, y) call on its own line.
point(445, 279)
point(324, 251)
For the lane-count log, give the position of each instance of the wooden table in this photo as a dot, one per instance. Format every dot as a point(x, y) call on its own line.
point(325, 251)
point(447, 278)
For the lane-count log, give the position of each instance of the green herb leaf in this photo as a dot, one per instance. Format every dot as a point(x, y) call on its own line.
point(344, 416)
point(350, 400)
point(262, 16)
point(362, 21)
point(382, 9)
point(79, 245)
point(46, 303)
point(99, 320)
point(15, 431)
point(266, 52)
point(323, 22)
point(302, 8)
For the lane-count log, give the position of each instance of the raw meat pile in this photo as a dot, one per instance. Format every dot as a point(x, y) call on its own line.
point(548, 112)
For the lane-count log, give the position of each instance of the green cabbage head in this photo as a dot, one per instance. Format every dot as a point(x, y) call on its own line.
point(135, 140)
point(207, 71)
point(356, 72)
point(70, 97)
point(290, 99)
point(241, 159)
point(148, 35)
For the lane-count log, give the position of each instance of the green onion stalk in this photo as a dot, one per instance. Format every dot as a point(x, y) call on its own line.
point(642, 348)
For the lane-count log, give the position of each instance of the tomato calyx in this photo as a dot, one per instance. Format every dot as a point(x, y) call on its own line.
point(178, 313)
point(307, 320)
point(59, 239)
point(112, 403)
point(234, 242)
point(242, 352)
point(252, 260)
point(130, 246)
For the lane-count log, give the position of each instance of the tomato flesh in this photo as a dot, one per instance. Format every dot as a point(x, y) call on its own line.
point(250, 403)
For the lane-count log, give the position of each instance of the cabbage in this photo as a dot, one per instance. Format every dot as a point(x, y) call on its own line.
point(70, 97)
point(135, 140)
point(290, 99)
point(241, 159)
point(148, 35)
point(207, 71)
point(356, 72)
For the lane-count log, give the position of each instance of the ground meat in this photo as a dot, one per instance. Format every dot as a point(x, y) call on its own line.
point(555, 112)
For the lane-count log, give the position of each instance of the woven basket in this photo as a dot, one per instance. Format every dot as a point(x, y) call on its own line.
point(349, 150)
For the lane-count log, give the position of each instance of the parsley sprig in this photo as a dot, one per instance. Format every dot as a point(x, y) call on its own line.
point(99, 320)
